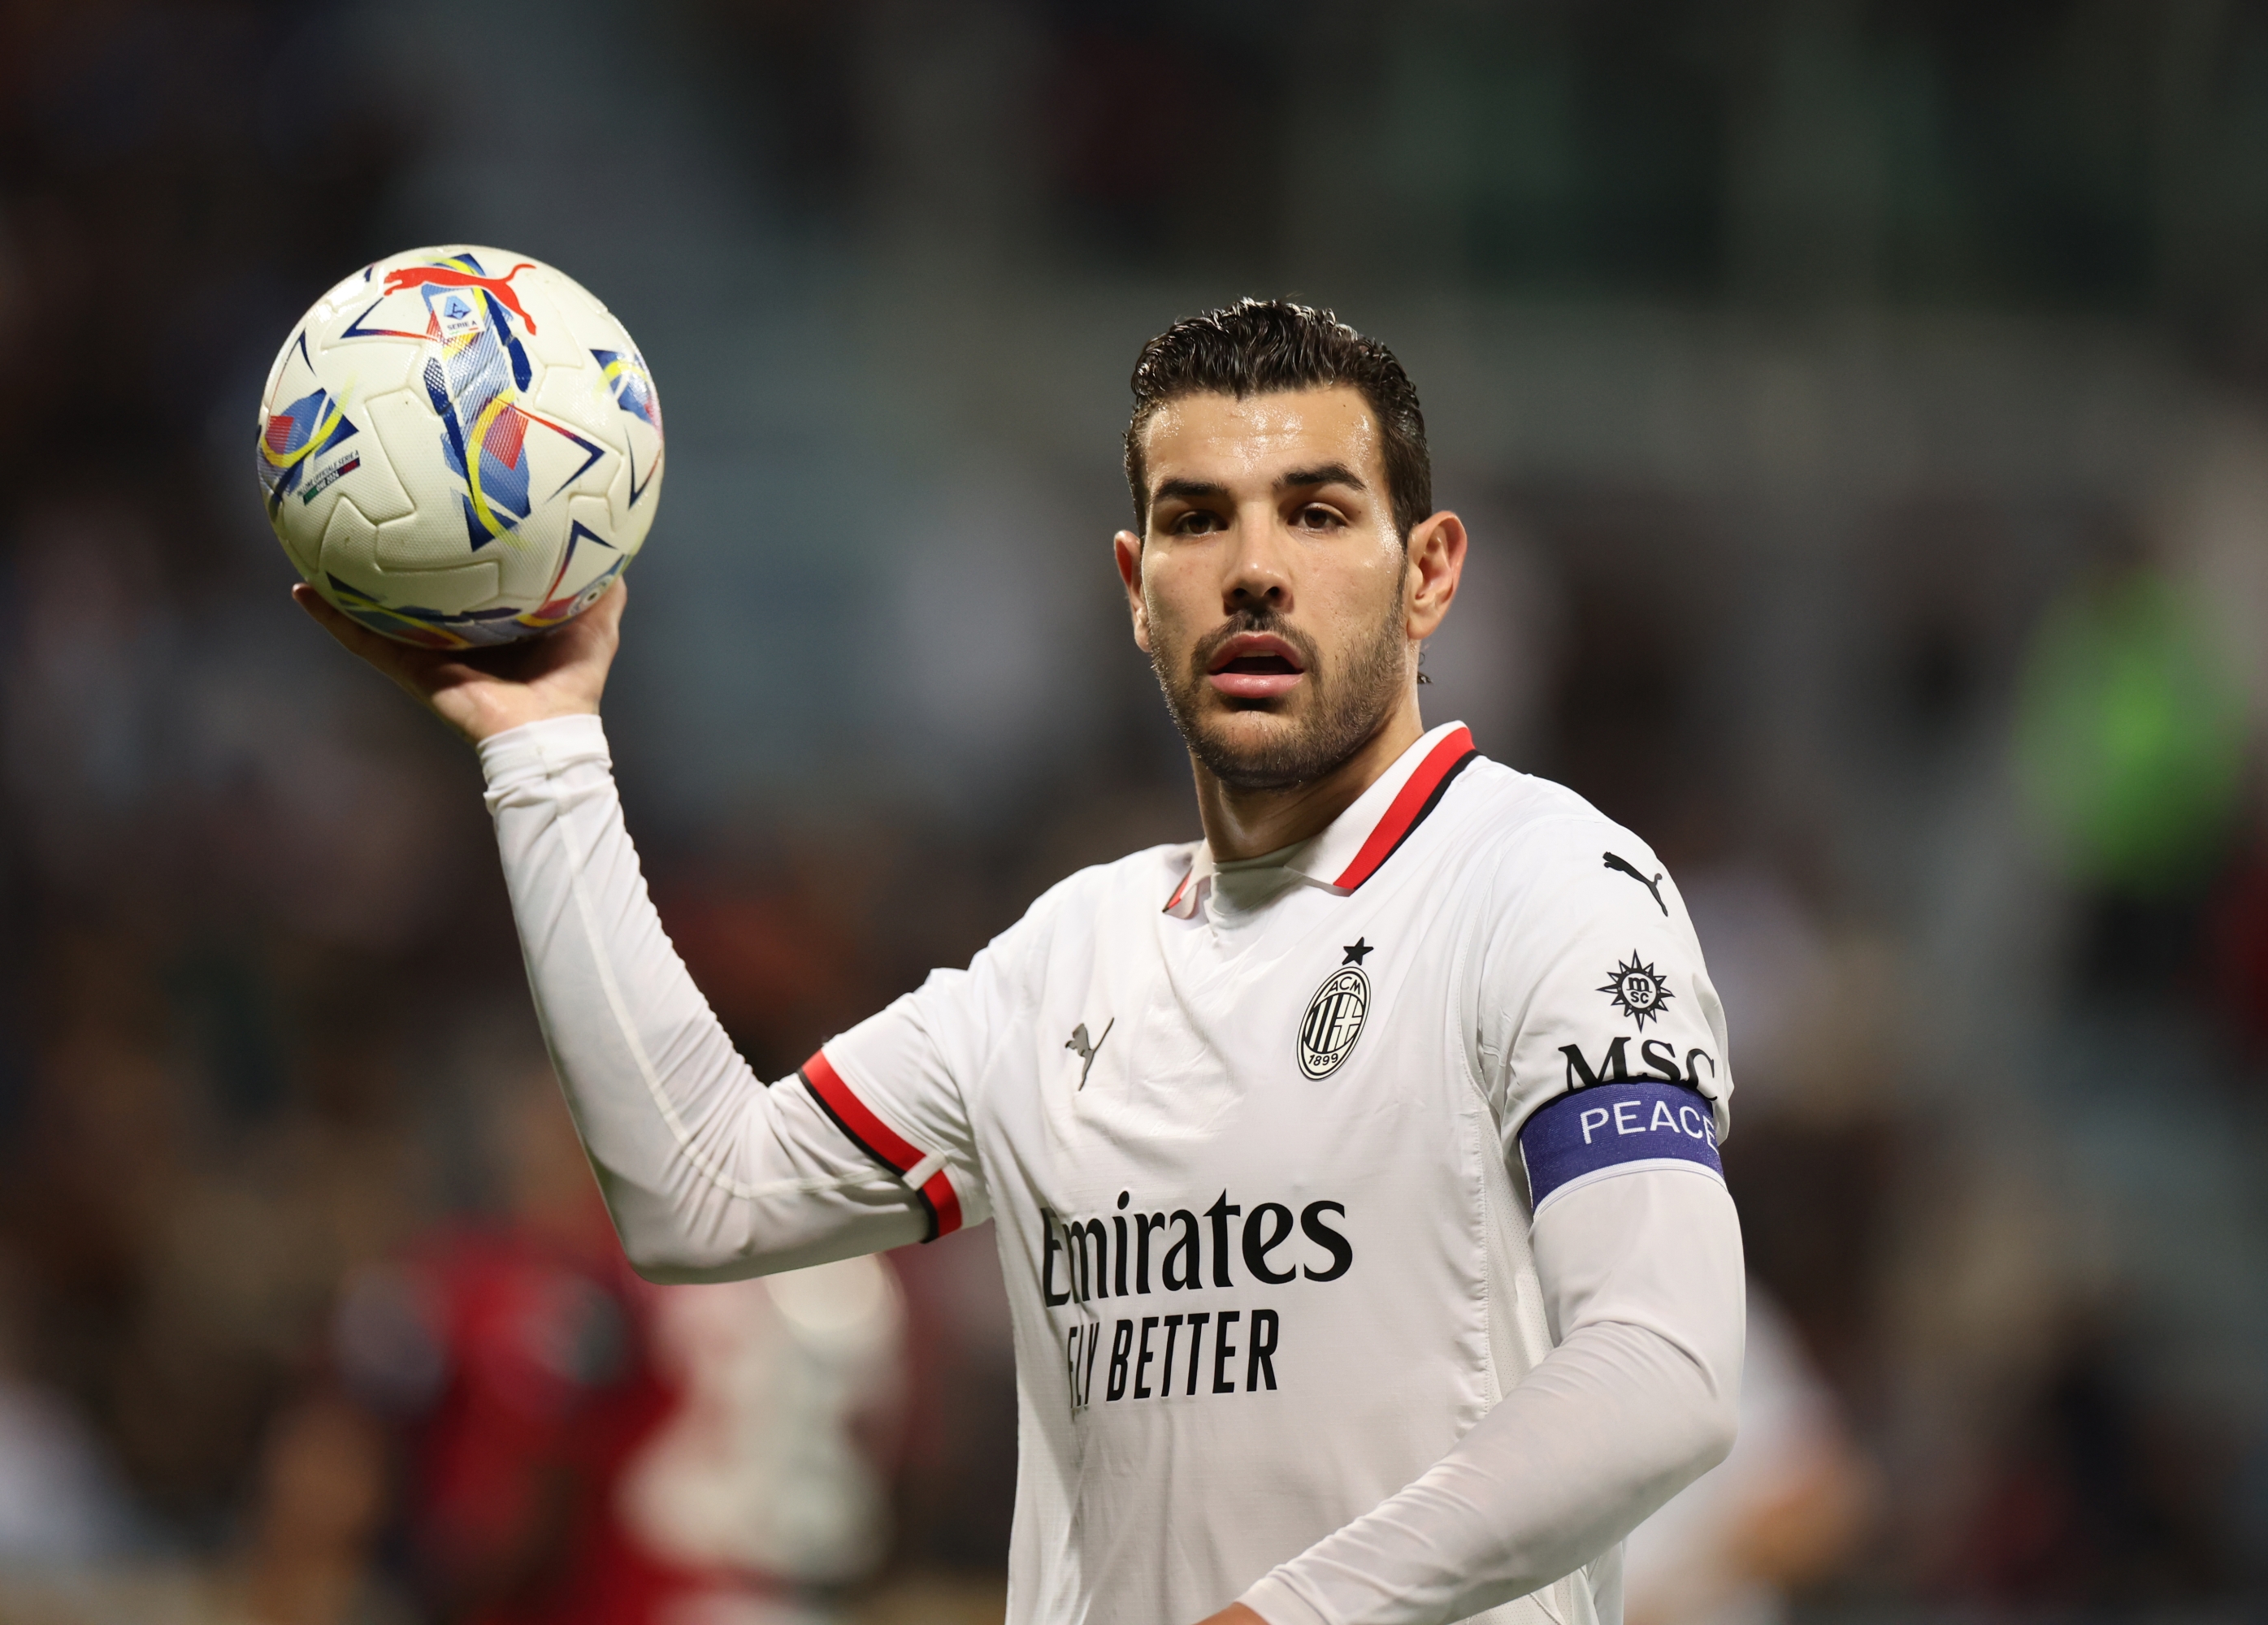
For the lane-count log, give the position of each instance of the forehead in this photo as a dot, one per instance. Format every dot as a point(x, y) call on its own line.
point(1223, 439)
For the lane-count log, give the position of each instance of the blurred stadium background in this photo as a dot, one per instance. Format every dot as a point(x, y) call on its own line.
point(1861, 410)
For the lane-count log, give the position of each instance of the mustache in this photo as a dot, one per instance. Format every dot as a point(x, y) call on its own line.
point(1242, 621)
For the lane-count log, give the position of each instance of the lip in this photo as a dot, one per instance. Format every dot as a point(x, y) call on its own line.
point(1250, 685)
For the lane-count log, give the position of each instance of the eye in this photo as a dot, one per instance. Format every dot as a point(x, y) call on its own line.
point(1196, 522)
point(1316, 517)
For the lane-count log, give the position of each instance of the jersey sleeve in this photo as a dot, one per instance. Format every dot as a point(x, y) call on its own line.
point(897, 1084)
point(1602, 1043)
point(1639, 1395)
point(708, 1174)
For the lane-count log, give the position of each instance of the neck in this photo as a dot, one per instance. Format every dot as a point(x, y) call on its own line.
point(1247, 823)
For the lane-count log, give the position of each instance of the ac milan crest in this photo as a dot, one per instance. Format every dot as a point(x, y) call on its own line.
point(1333, 1018)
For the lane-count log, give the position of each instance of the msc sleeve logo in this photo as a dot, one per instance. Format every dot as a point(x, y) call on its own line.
point(1638, 991)
point(1617, 1128)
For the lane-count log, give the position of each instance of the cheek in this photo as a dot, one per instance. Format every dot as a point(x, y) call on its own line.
point(1364, 589)
point(1172, 599)
point(1160, 627)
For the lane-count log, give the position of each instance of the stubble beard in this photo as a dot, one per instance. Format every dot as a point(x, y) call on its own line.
point(1346, 710)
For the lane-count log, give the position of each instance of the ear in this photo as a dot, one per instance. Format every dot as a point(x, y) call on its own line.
point(1436, 562)
point(1127, 547)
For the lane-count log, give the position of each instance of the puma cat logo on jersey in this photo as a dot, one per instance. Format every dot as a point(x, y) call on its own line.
point(1628, 867)
point(1078, 1041)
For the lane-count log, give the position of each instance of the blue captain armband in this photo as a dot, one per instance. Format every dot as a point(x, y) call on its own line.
point(1596, 1132)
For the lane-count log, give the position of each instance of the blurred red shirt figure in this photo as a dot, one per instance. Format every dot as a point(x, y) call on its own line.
point(583, 1448)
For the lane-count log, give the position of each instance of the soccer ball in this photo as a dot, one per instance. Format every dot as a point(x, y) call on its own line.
point(460, 446)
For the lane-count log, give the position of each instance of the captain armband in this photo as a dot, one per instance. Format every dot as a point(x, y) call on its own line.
point(1594, 1133)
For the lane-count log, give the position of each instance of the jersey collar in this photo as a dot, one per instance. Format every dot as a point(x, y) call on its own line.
point(1361, 839)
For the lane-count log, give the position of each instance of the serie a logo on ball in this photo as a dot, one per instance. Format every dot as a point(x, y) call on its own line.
point(1334, 1021)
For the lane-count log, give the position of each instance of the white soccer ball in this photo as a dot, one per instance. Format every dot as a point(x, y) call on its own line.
point(460, 446)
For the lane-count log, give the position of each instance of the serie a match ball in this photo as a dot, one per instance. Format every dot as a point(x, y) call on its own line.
point(460, 446)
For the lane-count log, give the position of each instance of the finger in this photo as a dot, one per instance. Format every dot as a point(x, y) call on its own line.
point(607, 614)
point(382, 652)
point(597, 630)
point(325, 615)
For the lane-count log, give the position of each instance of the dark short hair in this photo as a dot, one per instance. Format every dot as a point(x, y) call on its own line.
point(1256, 346)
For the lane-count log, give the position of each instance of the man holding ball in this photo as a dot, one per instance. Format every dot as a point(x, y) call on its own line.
point(1354, 1168)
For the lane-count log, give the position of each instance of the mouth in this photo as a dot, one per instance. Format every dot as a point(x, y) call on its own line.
point(1255, 665)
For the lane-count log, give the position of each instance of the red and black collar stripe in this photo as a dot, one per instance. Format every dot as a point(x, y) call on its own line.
point(1416, 799)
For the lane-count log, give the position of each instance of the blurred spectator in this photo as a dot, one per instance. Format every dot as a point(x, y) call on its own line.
point(1815, 1007)
point(511, 1356)
point(2239, 947)
point(61, 1505)
point(1785, 1509)
point(769, 1464)
point(2130, 745)
point(1820, 1055)
point(775, 947)
point(579, 1446)
point(2106, 1498)
point(319, 1503)
point(87, 686)
point(957, 1479)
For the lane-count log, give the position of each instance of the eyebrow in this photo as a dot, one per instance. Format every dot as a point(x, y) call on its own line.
point(1298, 479)
point(1329, 473)
point(1187, 490)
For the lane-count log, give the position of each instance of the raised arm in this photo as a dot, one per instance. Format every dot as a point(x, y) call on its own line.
point(708, 1174)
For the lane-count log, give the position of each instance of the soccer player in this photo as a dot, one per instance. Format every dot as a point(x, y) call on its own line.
point(1354, 1169)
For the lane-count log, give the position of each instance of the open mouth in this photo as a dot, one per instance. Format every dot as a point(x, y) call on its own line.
point(1262, 663)
point(1255, 665)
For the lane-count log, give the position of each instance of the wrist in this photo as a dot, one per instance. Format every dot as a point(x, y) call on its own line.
point(486, 717)
point(542, 748)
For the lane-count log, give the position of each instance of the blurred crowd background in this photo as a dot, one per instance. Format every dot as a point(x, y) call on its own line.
point(1861, 408)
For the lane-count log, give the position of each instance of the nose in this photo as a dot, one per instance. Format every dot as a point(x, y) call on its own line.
point(1257, 578)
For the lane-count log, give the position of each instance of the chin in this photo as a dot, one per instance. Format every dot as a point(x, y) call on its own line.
point(1261, 747)
point(1258, 725)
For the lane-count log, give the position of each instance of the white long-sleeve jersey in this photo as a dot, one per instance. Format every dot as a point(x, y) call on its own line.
point(1359, 1207)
